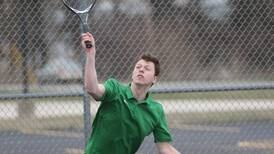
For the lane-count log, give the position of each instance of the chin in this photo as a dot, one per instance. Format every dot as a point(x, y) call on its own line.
point(141, 83)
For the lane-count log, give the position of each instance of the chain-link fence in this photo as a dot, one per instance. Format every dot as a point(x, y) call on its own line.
point(216, 82)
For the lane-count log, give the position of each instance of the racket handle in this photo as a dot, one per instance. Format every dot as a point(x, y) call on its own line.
point(85, 28)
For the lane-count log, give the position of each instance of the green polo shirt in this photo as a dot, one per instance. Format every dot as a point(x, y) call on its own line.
point(121, 122)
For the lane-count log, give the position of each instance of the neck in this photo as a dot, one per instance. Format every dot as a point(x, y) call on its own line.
point(139, 91)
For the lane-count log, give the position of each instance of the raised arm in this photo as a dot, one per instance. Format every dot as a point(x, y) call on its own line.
point(92, 86)
point(166, 148)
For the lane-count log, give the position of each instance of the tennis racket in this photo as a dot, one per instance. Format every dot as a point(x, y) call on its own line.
point(81, 8)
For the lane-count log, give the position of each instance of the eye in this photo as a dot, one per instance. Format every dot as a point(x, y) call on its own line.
point(147, 68)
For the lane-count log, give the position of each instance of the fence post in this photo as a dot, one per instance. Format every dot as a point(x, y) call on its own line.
point(87, 116)
point(25, 108)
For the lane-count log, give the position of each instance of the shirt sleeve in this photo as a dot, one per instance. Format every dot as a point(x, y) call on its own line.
point(111, 89)
point(161, 132)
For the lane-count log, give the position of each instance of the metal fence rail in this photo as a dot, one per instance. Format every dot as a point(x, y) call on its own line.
point(216, 81)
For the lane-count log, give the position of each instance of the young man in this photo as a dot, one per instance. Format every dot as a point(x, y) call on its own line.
point(127, 113)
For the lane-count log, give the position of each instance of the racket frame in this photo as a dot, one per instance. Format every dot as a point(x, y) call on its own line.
point(83, 16)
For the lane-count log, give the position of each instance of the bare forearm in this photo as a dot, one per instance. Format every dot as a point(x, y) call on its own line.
point(166, 148)
point(91, 81)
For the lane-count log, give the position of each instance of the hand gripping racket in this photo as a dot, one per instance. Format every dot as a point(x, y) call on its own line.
point(82, 9)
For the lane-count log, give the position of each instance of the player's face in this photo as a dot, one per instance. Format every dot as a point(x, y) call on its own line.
point(144, 73)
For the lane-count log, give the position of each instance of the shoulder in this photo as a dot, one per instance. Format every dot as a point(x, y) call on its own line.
point(112, 87)
point(112, 81)
point(156, 105)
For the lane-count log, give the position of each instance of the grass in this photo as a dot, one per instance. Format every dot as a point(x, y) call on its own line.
point(176, 120)
point(249, 94)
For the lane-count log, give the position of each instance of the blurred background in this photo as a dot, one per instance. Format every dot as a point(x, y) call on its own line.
point(216, 81)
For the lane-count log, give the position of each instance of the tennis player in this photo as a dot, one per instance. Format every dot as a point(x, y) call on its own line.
point(127, 113)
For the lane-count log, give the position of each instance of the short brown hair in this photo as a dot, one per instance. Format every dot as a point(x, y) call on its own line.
point(154, 60)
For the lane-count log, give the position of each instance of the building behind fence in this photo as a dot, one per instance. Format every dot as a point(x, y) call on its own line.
point(216, 82)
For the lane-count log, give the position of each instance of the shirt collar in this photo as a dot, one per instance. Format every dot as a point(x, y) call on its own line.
point(129, 95)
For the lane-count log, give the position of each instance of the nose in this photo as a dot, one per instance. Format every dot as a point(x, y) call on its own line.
point(141, 70)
